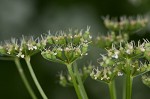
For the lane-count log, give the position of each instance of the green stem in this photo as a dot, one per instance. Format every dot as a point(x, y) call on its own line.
point(24, 79)
point(81, 87)
point(112, 89)
point(69, 66)
point(129, 80)
point(27, 59)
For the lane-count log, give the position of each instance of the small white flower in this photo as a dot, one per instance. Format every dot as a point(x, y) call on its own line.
point(8, 52)
point(86, 53)
point(120, 74)
point(115, 56)
point(108, 78)
point(102, 78)
point(95, 78)
point(35, 47)
point(90, 36)
point(138, 69)
point(128, 51)
point(69, 78)
point(60, 49)
point(71, 36)
point(142, 49)
point(67, 49)
point(22, 56)
point(54, 53)
point(85, 41)
point(20, 49)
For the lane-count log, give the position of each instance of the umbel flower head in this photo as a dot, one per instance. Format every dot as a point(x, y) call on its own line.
point(111, 38)
point(71, 37)
point(67, 48)
point(146, 79)
point(25, 46)
point(127, 58)
point(65, 80)
point(128, 24)
point(120, 60)
point(108, 69)
point(105, 74)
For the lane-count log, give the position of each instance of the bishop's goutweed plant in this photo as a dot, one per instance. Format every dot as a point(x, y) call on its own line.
point(122, 57)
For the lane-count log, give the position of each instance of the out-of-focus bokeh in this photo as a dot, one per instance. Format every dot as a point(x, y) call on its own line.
point(34, 17)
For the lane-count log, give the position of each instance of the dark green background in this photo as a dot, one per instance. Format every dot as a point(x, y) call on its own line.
point(33, 17)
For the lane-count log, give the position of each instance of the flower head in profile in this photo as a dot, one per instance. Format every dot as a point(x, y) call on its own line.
point(25, 46)
point(105, 41)
point(128, 55)
point(126, 24)
point(146, 79)
point(66, 48)
point(105, 74)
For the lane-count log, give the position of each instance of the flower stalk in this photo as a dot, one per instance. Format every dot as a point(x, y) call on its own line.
point(69, 67)
point(24, 79)
point(27, 59)
point(81, 86)
point(22, 74)
point(112, 89)
point(128, 91)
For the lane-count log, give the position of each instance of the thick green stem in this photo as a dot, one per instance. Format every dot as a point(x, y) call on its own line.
point(81, 87)
point(69, 66)
point(24, 79)
point(112, 89)
point(129, 80)
point(27, 59)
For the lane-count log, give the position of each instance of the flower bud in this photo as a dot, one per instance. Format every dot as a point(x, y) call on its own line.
point(49, 39)
point(62, 80)
point(69, 38)
point(76, 39)
point(2, 50)
point(84, 48)
point(68, 53)
point(87, 36)
point(59, 52)
point(146, 80)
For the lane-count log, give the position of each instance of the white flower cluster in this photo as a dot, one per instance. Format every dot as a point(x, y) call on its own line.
point(68, 48)
point(105, 74)
point(22, 48)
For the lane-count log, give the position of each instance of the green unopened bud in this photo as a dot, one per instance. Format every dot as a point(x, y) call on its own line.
point(49, 39)
point(61, 40)
point(10, 49)
point(68, 53)
point(63, 80)
point(147, 51)
point(2, 50)
point(84, 48)
point(69, 38)
point(77, 52)
point(46, 54)
point(55, 40)
point(87, 36)
point(146, 80)
point(76, 39)
point(59, 52)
